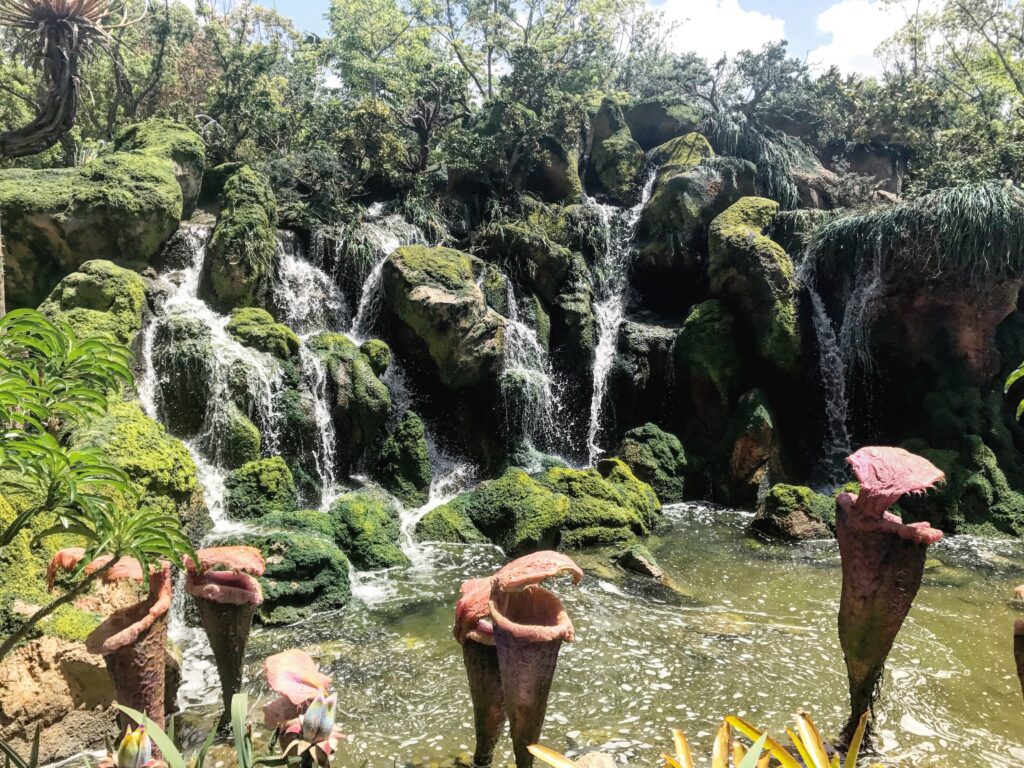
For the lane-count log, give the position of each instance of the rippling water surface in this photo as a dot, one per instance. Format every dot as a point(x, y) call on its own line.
point(744, 629)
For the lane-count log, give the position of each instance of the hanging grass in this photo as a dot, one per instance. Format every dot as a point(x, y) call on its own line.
point(975, 232)
point(775, 154)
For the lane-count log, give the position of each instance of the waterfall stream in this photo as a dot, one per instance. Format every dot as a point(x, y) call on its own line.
point(611, 289)
point(386, 233)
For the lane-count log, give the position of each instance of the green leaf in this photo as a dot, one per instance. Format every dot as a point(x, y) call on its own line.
point(750, 761)
point(170, 752)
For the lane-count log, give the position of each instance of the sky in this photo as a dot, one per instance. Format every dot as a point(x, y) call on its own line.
point(824, 32)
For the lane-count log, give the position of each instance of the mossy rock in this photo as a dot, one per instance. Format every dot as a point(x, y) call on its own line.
point(403, 466)
point(243, 246)
point(680, 154)
point(241, 439)
point(439, 314)
point(757, 278)
point(366, 528)
point(101, 299)
point(159, 464)
point(379, 355)
point(976, 497)
point(654, 121)
point(573, 323)
point(125, 204)
point(750, 451)
point(658, 459)
point(306, 575)
point(795, 513)
point(256, 328)
point(528, 251)
point(617, 162)
point(360, 402)
point(305, 520)
point(260, 488)
point(183, 358)
point(515, 511)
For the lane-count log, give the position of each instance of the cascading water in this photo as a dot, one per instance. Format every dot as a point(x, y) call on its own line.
point(611, 286)
point(830, 471)
point(386, 234)
point(307, 299)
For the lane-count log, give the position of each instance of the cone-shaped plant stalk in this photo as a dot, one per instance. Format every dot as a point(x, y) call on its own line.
point(1018, 650)
point(883, 563)
point(511, 630)
point(227, 597)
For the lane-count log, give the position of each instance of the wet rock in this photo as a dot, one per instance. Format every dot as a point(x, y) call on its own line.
point(616, 159)
point(259, 489)
point(640, 382)
point(366, 529)
point(794, 513)
point(639, 559)
point(184, 360)
point(752, 451)
point(124, 204)
point(100, 299)
point(527, 250)
point(256, 328)
point(403, 466)
point(658, 459)
point(240, 442)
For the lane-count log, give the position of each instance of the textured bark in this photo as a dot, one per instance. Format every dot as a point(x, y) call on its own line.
point(137, 672)
point(227, 627)
point(488, 703)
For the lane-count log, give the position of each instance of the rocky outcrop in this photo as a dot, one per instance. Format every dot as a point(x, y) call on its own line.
point(752, 452)
point(615, 157)
point(654, 121)
point(241, 253)
point(365, 527)
point(100, 299)
point(640, 382)
point(794, 513)
point(658, 459)
point(183, 358)
point(259, 489)
point(403, 467)
point(122, 205)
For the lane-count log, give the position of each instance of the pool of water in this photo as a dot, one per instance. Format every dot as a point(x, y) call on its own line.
point(744, 628)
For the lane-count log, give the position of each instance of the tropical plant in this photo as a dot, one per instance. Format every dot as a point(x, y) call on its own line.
point(57, 34)
point(763, 751)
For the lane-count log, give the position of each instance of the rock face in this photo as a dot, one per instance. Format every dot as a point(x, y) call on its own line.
point(559, 507)
point(122, 205)
point(640, 381)
point(100, 299)
point(655, 121)
point(259, 489)
point(184, 359)
point(240, 255)
point(658, 459)
point(754, 276)
point(615, 159)
point(794, 513)
point(403, 466)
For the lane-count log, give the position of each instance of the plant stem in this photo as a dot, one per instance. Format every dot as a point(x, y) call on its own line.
point(66, 599)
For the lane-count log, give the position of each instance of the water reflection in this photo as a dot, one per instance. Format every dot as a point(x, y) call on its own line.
point(743, 629)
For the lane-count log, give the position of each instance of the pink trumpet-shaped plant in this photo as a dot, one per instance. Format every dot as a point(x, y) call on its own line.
point(511, 630)
point(227, 596)
point(132, 640)
point(882, 561)
point(304, 714)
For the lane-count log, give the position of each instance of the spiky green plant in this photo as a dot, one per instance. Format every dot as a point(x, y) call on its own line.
point(974, 232)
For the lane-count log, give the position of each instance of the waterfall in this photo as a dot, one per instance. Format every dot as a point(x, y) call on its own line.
point(307, 299)
point(611, 287)
point(314, 379)
point(529, 391)
point(830, 471)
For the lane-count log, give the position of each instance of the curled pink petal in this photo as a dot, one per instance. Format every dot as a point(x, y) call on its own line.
point(533, 614)
point(224, 587)
point(295, 675)
point(122, 628)
point(536, 568)
point(282, 714)
point(244, 559)
point(126, 568)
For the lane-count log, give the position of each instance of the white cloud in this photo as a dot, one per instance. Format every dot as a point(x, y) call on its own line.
point(716, 27)
point(857, 27)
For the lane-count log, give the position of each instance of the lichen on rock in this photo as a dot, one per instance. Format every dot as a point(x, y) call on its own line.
point(99, 299)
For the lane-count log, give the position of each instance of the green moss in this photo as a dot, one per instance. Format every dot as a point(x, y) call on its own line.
point(451, 269)
point(449, 524)
point(159, 464)
point(617, 161)
point(403, 467)
point(260, 488)
point(528, 249)
point(657, 458)
point(706, 356)
point(256, 328)
point(243, 245)
point(680, 154)
point(366, 528)
point(756, 276)
point(124, 203)
point(307, 520)
point(241, 439)
point(183, 358)
point(379, 355)
point(306, 574)
point(782, 499)
point(100, 299)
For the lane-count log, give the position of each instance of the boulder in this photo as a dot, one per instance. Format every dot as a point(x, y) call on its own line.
point(159, 465)
point(122, 205)
point(184, 361)
point(615, 159)
point(379, 355)
point(366, 528)
point(658, 459)
point(752, 455)
point(795, 513)
point(240, 441)
point(256, 328)
point(556, 176)
point(573, 324)
point(306, 574)
point(640, 382)
point(638, 559)
point(679, 155)
point(403, 467)
point(260, 488)
point(654, 121)
point(242, 251)
point(360, 402)
point(526, 250)
point(298, 440)
point(100, 299)
point(755, 277)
